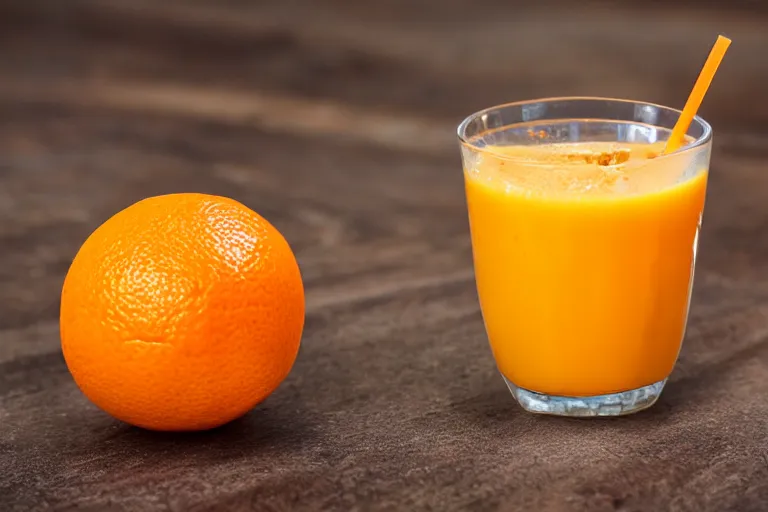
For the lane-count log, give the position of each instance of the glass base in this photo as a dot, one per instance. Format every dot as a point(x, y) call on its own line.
point(615, 404)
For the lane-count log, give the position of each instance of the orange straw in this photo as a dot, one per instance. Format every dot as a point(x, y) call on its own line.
point(697, 94)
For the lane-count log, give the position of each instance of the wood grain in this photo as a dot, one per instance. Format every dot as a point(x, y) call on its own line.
point(335, 120)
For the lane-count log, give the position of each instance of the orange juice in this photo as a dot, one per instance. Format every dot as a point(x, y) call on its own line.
point(583, 270)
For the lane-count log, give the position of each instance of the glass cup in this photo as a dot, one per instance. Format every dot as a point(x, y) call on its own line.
point(584, 244)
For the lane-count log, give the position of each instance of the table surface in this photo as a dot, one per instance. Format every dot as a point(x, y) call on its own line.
point(335, 120)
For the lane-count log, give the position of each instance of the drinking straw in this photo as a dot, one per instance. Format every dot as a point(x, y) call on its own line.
point(697, 93)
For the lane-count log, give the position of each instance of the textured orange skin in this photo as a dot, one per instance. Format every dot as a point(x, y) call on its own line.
point(182, 312)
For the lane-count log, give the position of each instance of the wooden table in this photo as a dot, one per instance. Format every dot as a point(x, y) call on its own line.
point(335, 120)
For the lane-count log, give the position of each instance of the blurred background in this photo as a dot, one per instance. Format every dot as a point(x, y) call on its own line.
point(288, 104)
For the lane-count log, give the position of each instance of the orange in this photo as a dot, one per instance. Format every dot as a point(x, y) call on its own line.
point(182, 312)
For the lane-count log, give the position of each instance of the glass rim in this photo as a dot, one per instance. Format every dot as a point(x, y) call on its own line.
point(704, 139)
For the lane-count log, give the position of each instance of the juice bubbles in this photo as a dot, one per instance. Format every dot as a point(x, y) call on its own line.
point(583, 270)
